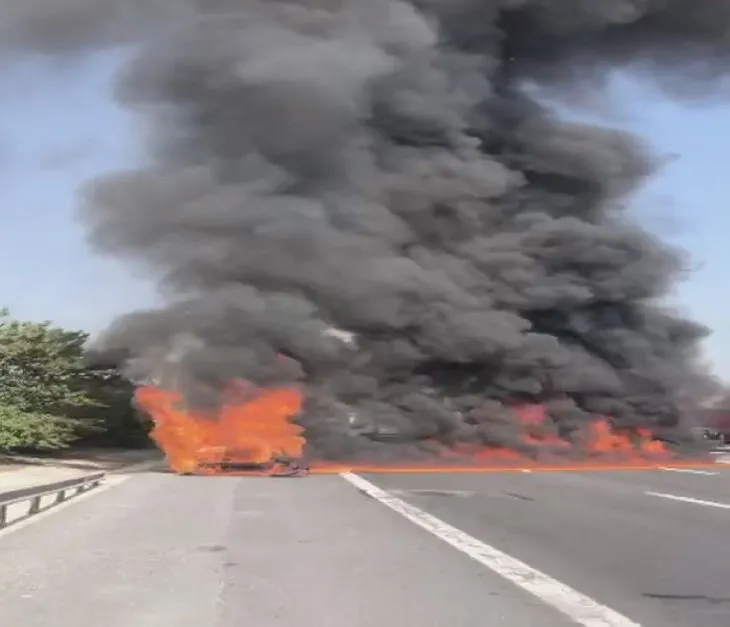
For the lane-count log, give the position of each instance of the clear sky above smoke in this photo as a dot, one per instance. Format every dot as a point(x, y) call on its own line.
point(60, 127)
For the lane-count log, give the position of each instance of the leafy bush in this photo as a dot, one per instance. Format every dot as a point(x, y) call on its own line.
point(22, 430)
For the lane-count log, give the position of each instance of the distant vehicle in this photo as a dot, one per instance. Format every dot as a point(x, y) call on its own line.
point(715, 423)
point(705, 433)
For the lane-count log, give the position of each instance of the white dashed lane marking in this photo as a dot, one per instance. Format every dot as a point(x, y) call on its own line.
point(689, 499)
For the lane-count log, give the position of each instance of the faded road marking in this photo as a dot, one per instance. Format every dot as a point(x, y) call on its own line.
point(689, 499)
point(580, 608)
point(691, 471)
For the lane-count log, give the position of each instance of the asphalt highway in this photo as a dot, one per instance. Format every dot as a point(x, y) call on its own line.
point(553, 549)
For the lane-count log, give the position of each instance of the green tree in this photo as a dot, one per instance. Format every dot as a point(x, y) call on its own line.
point(49, 395)
point(111, 419)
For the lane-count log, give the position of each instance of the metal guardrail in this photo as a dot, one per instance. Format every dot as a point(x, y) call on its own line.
point(43, 497)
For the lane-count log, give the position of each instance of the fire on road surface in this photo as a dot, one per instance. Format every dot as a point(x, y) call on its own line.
point(253, 432)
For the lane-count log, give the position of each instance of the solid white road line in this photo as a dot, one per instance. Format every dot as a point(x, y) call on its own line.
point(690, 471)
point(576, 606)
point(689, 499)
point(23, 521)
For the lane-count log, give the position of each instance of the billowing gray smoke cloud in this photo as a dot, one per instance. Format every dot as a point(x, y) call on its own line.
point(378, 166)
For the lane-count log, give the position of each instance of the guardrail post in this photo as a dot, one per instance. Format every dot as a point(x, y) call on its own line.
point(3, 515)
point(35, 505)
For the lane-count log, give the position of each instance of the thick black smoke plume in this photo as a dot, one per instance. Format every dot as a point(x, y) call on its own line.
point(378, 166)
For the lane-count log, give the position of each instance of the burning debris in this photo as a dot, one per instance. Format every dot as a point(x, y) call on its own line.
point(379, 166)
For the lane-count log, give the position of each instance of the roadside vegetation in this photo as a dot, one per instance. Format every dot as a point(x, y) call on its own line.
point(51, 398)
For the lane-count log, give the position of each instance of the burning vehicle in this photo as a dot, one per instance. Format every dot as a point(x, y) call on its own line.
point(253, 431)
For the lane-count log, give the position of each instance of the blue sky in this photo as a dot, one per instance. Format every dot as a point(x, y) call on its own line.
point(60, 127)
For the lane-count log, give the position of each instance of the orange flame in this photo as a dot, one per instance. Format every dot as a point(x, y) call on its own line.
point(254, 426)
